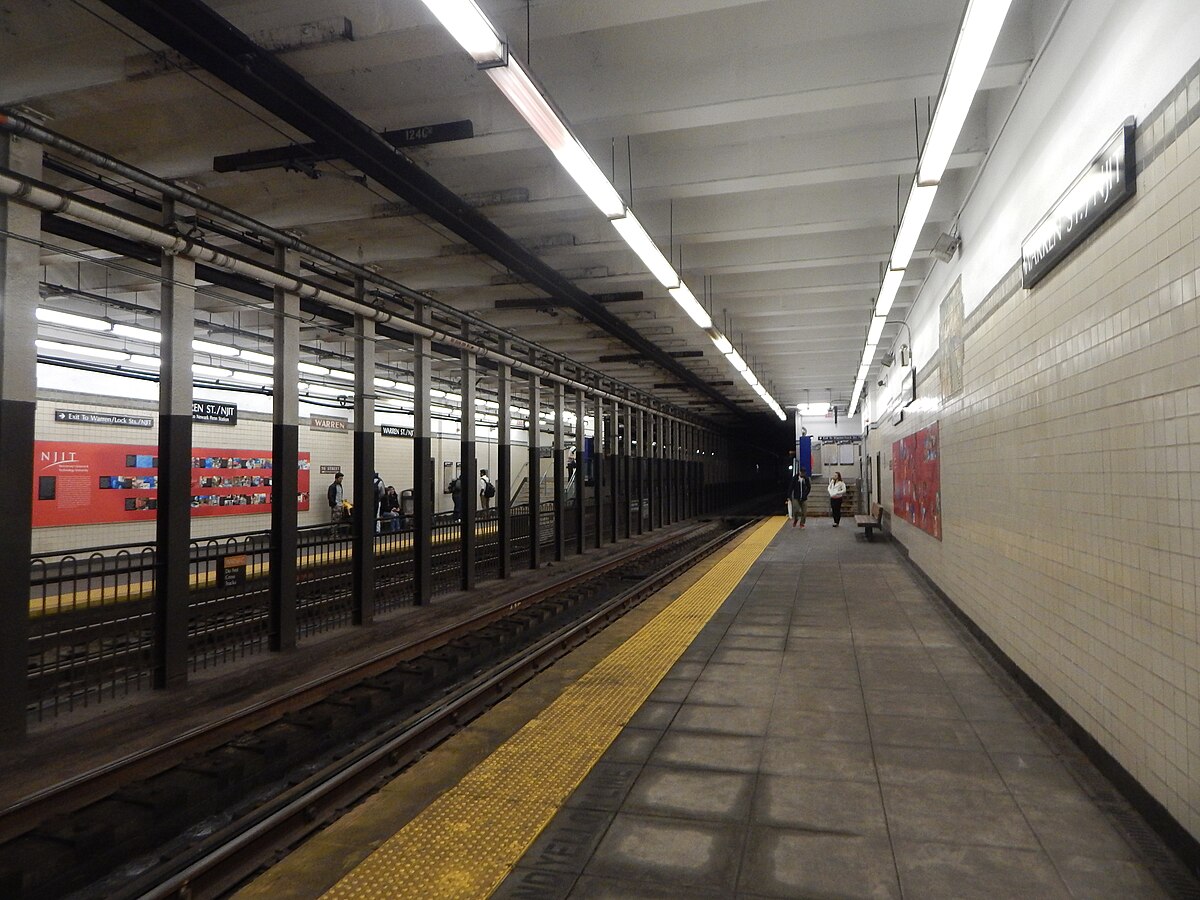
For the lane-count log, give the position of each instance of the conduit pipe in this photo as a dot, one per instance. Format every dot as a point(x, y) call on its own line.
point(30, 130)
point(27, 191)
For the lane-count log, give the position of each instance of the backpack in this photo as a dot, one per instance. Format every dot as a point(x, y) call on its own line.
point(489, 489)
point(380, 490)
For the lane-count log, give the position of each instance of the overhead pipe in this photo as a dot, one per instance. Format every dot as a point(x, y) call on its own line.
point(46, 199)
point(23, 127)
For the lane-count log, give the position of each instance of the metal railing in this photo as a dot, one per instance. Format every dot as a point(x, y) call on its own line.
point(92, 611)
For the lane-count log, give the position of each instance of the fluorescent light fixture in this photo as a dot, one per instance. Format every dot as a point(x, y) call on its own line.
point(442, 411)
point(470, 27)
point(686, 299)
point(406, 388)
point(384, 383)
point(263, 359)
point(215, 349)
point(643, 245)
point(210, 371)
point(254, 378)
point(340, 375)
point(328, 390)
point(150, 362)
point(887, 293)
point(976, 40)
point(750, 378)
point(535, 108)
point(137, 334)
point(76, 350)
point(812, 409)
point(453, 398)
point(735, 360)
point(70, 320)
point(720, 342)
point(310, 369)
point(916, 211)
point(875, 332)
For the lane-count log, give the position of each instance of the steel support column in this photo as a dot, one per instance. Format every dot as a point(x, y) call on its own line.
point(423, 476)
point(172, 586)
point(598, 467)
point(535, 467)
point(467, 463)
point(614, 480)
point(560, 474)
point(285, 454)
point(366, 521)
point(628, 459)
point(20, 229)
point(580, 473)
point(503, 475)
point(639, 467)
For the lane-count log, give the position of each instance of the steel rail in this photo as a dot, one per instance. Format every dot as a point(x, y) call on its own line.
point(95, 784)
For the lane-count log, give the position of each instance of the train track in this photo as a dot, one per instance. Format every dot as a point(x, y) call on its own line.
point(261, 779)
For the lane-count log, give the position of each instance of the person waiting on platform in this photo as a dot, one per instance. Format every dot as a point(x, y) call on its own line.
point(798, 497)
point(335, 497)
point(837, 491)
point(487, 490)
point(456, 493)
point(389, 514)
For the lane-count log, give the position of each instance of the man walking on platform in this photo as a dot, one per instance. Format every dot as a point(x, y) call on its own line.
point(798, 497)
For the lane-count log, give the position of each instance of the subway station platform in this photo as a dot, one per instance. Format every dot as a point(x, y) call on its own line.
point(798, 717)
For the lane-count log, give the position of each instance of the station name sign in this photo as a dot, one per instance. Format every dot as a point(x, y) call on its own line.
point(396, 431)
point(216, 413)
point(327, 423)
point(1096, 194)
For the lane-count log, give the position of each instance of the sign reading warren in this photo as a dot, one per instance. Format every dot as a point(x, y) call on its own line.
point(1096, 194)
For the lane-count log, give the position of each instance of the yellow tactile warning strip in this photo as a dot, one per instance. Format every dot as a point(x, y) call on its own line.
point(465, 842)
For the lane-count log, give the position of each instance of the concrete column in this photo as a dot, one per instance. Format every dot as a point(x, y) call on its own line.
point(468, 463)
point(20, 229)
point(423, 475)
point(285, 452)
point(366, 520)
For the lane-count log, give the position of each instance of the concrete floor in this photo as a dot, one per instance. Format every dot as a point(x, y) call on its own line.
point(835, 732)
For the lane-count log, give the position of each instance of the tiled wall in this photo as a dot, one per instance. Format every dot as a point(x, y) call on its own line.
point(253, 432)
point(1070, 472)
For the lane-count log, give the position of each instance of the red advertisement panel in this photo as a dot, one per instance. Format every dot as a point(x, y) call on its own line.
point(76, 483)
point(917, 480)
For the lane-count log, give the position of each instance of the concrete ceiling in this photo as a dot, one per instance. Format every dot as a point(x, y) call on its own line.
point(763, 144)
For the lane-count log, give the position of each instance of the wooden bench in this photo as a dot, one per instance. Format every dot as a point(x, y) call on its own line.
point(871, 522)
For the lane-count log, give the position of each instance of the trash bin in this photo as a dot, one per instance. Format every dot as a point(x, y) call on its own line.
point(407, 504)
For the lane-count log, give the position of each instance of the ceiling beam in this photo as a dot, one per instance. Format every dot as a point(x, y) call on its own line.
point(213, 43)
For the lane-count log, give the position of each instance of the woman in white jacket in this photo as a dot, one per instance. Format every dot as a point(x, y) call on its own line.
point(837, 490)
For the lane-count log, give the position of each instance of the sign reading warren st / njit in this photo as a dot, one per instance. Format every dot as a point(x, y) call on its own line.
point(216, 413)
point(1108, 181)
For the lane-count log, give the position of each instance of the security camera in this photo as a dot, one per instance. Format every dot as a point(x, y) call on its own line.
point(880, 382)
